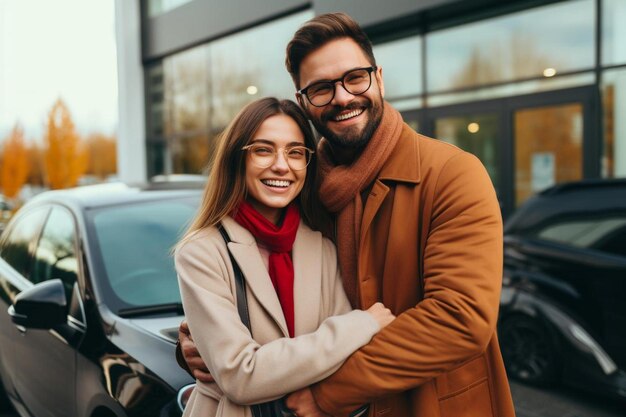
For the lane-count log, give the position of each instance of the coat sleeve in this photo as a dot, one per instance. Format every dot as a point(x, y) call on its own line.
point(245, 371)
point(457, 317)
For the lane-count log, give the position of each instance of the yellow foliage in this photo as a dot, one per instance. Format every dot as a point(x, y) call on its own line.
point(35, 162)
point(65, 156)
point(15, 166)
point(102, 151)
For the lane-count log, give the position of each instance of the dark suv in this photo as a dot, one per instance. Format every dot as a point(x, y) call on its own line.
point(563, 306)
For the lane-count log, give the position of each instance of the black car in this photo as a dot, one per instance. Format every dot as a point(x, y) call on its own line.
point(89, 302)
point(563, 306)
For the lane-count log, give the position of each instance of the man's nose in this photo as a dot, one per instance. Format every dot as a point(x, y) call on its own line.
point(342, 96)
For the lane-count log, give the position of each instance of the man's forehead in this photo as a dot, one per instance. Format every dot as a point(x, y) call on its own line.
point(332, 60)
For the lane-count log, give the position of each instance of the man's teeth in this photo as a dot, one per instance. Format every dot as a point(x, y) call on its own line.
point(276, 183)
point(345, 116)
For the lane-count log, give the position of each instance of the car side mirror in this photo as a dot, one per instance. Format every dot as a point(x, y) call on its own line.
point(43, 306)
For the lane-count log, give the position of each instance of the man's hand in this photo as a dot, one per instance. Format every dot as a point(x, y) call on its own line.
point(188, 348)
point(303, 404)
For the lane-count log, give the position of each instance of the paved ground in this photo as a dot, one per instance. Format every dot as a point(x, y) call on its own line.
point(562, 402)
point(532, 402)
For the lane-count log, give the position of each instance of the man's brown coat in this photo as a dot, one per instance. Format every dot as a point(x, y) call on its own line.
point(431, 250)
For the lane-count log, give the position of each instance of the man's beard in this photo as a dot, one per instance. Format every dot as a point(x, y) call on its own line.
point(352, 138)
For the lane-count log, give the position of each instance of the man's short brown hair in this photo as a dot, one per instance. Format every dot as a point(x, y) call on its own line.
point(317, 32)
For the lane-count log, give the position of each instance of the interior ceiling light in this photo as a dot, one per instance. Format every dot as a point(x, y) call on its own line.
point(252, 90)
point(473, 127)
point(549, 72)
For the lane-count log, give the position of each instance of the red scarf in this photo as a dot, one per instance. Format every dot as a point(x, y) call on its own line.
point(279, 240)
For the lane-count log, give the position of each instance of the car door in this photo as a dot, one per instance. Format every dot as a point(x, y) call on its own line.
point(46, 381)
point(592, 258)
point(17, 248)
point(612, 288)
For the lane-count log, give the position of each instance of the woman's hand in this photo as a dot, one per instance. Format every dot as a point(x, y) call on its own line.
point(381, 314)
point(190, 352)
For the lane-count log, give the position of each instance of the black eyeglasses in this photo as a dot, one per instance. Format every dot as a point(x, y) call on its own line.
point(355, 82)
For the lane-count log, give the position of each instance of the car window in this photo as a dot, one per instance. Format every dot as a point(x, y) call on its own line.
point(135, 243)
point(16, 248)
point(614, 242)
point(55, 256)
point(603, 233)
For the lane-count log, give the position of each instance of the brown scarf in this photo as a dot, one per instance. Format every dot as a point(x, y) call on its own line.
point(341, 187)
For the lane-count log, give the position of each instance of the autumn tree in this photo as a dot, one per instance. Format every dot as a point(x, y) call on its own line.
point(65, 156)
point(15, 168)
point(102, 155)
point(36, 164)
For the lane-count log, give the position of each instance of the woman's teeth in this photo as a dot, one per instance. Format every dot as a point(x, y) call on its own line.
point(276, 183)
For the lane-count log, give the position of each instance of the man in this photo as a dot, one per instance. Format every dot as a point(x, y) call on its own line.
point(418, 228)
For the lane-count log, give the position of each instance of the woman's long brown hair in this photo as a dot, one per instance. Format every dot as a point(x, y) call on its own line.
point(226, 188)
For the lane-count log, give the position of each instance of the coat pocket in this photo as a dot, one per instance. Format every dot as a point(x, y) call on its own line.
point(464, 391)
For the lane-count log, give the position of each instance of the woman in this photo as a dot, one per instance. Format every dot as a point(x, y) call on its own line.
point(262, 191)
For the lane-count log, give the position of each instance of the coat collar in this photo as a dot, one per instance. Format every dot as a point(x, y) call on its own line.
point(403, 164)
point(306, 256)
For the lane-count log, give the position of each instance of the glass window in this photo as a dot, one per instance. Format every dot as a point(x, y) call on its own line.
point(244, 67)
point(155, 100)
point(604, 233)
point(55, 256)
point(513, 89)
point(190, 154)
point(157, 158)
point(186, 91)
point(194, 94)
point(135, 242)
point(613, 32)
point(531, 43)
point(157, 7)
point(401, 61)
point(18, 246)
point(477, 134)
point(614, 107)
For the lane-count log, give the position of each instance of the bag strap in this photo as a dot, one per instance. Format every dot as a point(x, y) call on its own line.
point(276, 408)
point(240, 283)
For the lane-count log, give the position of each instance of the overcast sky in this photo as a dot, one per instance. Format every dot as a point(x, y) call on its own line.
point(58, 48)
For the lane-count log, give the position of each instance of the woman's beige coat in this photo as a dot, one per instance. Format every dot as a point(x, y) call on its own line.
point(247, 370)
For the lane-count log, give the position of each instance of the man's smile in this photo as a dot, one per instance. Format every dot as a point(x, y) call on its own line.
point(349, 115)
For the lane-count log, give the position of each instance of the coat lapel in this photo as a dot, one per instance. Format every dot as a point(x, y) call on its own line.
point(307, 288)
point(246, 253)
point(403, 165)
point(373, 203)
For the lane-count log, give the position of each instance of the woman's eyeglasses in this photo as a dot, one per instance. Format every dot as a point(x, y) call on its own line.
point(264, 156)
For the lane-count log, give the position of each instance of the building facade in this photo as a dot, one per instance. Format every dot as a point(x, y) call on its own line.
point(535, 88)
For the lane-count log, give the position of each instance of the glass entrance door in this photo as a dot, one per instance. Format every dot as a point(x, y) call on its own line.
point(527, 143)
point(477, 134)
point(548, 147)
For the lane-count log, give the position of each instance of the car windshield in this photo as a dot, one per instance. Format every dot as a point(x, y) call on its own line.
point(135, 243)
